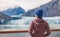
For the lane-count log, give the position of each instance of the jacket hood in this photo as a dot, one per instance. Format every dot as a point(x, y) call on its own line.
point(39, 21)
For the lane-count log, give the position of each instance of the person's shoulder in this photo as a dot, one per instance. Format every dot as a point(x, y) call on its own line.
point(45, 21)
point(33, 20)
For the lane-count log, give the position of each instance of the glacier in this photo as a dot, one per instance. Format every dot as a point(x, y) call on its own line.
point(24, 23)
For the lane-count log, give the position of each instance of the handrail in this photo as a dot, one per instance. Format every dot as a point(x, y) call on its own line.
point(22, 31)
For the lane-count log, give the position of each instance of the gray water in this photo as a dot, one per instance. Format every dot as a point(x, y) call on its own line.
point(53, 34)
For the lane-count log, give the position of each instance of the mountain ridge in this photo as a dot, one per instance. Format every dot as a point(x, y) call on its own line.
point(49, 8)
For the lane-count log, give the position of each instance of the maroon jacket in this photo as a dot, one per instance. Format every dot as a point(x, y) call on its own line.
point(38, 28)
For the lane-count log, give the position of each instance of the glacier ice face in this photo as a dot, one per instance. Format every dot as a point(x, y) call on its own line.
point(27, 20)
point(24, 23)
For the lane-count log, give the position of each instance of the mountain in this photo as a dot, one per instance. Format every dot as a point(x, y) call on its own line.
point(2, 15)
point(11, 14)
point(14, 11)
point(50, 9)
point(4, 18)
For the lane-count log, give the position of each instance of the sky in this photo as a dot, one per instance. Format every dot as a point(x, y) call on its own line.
point(25, 4)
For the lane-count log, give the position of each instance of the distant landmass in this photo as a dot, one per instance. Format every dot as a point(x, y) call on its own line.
point(14, 11)
point(50, 9)
point(6, 15)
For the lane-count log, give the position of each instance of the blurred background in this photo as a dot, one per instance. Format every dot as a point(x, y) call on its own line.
point(18, 14)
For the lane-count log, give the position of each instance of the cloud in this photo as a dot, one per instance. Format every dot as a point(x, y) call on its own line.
point(26, 4)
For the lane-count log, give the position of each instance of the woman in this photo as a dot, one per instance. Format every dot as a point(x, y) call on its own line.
point(39, 27)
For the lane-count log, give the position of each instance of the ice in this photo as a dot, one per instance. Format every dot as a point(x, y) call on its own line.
point(24, 23)
point(27, 20)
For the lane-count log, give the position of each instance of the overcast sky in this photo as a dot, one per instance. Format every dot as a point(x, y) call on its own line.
point(26, 4)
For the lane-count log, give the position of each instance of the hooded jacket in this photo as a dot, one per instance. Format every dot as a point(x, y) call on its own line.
point(38, 28)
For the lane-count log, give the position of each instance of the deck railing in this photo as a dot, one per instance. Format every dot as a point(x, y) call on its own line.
point(22, 31)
